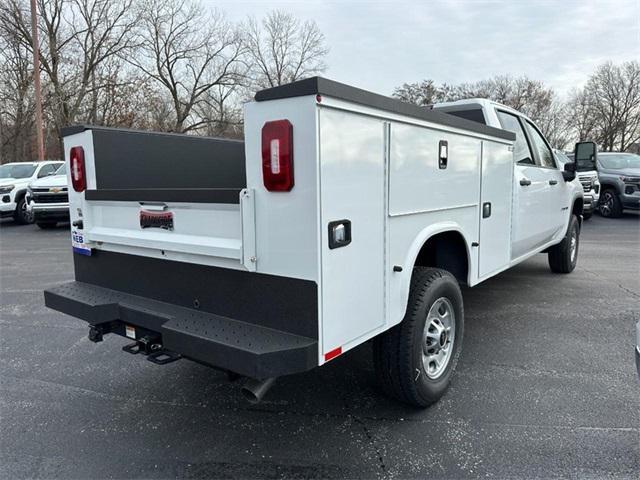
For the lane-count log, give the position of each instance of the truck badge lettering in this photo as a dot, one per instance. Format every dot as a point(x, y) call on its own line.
point(162, 220)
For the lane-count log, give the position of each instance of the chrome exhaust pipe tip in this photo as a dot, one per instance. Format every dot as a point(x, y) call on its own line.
point(255, 390)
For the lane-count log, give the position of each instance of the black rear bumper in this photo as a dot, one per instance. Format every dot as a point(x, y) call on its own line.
point(244, 348)
point(250, 323)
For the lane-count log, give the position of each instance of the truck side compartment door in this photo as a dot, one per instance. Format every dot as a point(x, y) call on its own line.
point(495, 207)
point(352, 179)
point(530, 227)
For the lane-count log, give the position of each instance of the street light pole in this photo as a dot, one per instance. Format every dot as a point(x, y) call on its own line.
point(36, 79)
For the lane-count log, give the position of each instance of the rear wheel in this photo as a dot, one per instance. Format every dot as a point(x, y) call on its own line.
point(46, 225)
point(610, 205)
point(22, 215)
point(563, 257)
point(415, 360)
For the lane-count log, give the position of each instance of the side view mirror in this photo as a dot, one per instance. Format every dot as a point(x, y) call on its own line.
point(569, 172)
point(585, 156)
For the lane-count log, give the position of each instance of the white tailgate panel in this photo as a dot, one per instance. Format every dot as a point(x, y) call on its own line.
point(495, 230)
point(352, 158)
point(199, 229)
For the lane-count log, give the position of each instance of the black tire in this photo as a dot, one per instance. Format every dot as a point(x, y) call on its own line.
point(47, 225)
point(562, 258)
point(610, 205)
point(398, 353)
point(21, 215)
point(587, 215)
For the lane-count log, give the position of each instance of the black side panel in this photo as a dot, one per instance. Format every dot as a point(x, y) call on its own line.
point(142, 160)
point(322, 86)
point(158, 162)
point(286, 304)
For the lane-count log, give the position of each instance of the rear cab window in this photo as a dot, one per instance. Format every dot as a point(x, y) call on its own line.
point(473, 114)
point(521, 151)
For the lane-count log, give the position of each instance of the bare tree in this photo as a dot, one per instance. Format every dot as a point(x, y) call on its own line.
point(582, 120)
point(612, 97)
point(531, 97)
point(222, 108)
point(282, 49)
point(16, 106)
point(423, 94)
point(78, 38)
point(187, 51)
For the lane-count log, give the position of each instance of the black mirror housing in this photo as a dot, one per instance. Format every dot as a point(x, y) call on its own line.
point(569, 172)
point(585, 156)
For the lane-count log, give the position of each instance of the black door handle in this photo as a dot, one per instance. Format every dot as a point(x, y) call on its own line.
point(486, 210)
point(525, 182)
point(553, 182)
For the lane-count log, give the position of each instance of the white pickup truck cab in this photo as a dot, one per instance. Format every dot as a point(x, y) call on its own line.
point(344, 216)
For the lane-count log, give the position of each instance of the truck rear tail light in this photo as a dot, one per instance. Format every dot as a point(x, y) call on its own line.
point(277, 156)
point(78, 174)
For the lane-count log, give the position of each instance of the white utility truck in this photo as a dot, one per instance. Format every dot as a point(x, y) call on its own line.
point(345, 216)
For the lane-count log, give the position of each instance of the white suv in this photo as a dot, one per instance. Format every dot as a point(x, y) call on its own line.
point(14, 180)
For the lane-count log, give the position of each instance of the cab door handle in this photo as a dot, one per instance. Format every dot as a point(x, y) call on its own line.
point(525, 182)
point(553, 182)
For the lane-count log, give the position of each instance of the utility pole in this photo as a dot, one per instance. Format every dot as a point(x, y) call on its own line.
point(36, 79)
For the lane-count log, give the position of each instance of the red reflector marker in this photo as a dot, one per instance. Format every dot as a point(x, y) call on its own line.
point(332, 354)
point(277, 156)
point(78, 174)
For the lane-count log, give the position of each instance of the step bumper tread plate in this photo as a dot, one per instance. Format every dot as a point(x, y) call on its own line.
point(245, 348)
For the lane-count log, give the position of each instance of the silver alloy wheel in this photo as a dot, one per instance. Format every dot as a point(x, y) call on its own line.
point(606, 204)
point(438, 337)
point(26, 215)
point(573, 246)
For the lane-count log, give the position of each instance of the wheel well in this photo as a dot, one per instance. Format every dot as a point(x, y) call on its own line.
point(447, 250)
point(609, 186)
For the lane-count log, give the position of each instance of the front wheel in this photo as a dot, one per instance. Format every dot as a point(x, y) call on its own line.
point(22, 214)
point(415, 360)
point(610, 205)
point(563, 257)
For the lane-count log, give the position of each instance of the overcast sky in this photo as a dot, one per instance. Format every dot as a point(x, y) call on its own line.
point(378, 45)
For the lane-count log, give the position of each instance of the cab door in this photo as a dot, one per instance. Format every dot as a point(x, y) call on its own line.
point(557, 198)
point(531, 186)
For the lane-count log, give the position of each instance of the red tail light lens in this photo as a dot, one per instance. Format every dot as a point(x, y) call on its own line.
point(78, 174)
point(277, 156)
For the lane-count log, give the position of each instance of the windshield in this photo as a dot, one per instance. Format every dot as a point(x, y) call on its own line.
point(17, 170)
point(620, 161)
point(62, 170)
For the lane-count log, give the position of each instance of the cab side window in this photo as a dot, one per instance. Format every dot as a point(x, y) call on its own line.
point(521, 152)
point(545, 156)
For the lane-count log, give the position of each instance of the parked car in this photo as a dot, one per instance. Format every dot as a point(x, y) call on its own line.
point(48, 199)
point(619, 175)
point(14, 179)
point(589, 181)
point(344, 216)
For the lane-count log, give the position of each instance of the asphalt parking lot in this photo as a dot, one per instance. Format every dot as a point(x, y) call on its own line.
point(546, 387)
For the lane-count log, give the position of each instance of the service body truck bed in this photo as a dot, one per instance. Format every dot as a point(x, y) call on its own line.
point(275, 255)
